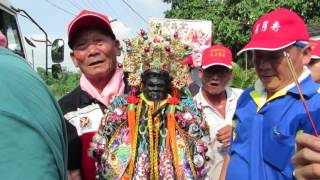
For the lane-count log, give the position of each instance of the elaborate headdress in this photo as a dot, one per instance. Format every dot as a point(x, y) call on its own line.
point(155, 50)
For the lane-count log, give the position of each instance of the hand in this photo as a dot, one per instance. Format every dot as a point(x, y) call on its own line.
point(224, 135)
point(307, 157)
point(74, 174)
point(225, 165)
point(96, 146)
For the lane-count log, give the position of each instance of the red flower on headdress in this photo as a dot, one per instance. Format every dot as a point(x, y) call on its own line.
point(132, 99)
point(173, 100)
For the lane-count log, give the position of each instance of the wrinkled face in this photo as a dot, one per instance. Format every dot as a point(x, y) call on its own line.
point(155, 88)
point(272, 67)
point(314, 67)
point(94, 52)
point(215, 79)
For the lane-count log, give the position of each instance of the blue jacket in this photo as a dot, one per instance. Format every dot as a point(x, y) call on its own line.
point(264, 134)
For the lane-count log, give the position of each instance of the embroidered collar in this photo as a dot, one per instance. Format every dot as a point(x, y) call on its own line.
point(151, 103)
point(259, 94)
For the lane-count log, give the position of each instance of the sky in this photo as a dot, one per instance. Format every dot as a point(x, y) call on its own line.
point(54, 16)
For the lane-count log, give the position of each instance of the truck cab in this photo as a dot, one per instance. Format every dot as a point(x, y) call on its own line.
point(10, 28)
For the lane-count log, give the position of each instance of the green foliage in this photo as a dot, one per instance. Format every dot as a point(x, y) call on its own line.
point(232, 19)
point(62, 86)
point(242, 79)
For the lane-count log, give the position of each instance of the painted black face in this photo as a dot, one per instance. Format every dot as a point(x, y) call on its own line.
point(156, 85)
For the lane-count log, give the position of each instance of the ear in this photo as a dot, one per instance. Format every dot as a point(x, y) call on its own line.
point(74, 60)
point(200, 73)
point(117, 46)
point(306, 55)
point(230, 75)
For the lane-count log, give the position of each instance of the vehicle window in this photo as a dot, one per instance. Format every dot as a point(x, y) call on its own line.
point(12, 33)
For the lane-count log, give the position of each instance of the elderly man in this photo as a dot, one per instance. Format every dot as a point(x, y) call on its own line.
point(218, 102)
point(269, 116)
point(94, 51)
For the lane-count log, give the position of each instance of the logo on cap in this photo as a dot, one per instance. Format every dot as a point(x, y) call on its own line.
point(217, 55)
point(276, 30)
point(218, 52)
point(274, 27)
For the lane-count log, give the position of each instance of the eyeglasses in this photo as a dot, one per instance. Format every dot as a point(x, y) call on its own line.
point(313, 61)
point(222, 70)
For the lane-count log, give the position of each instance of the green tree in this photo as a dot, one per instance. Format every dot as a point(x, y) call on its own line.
point(62, 86)
point(232, 19)
point(242, 79)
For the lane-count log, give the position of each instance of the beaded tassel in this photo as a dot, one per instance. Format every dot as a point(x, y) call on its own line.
point(173, 139)
point(151, 143)
point(156, 147)
point(135, 140)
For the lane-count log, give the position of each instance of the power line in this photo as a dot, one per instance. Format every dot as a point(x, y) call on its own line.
point(74, 4)
point(109, 5)
point(94, 5)
point(60, 8)
point(78, 4)
point(135, 11)
point(89, 5)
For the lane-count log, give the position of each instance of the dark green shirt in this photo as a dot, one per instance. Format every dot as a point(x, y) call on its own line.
point(33, 141)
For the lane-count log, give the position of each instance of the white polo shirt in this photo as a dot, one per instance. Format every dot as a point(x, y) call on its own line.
point(215, 122)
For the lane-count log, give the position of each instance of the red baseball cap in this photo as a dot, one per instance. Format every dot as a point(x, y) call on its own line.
point(216, 55)
point(188, 61)
point(88, 18)
point(276, 30)
point(315, 49)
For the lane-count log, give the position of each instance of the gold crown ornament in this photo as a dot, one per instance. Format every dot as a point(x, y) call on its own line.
point(155, 50)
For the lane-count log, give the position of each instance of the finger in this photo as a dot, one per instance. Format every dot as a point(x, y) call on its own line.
point(222, 130)
point(225, 129)
point(226, 144)
point(223, 134)
point(306, 156)
point(224, 137)
point(307, 140)
point(311, 171)
point(226, 140)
